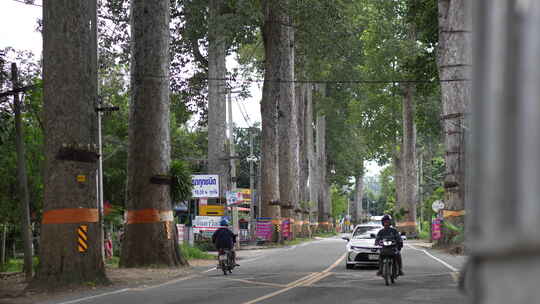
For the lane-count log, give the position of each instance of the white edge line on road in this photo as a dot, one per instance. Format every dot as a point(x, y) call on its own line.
point(243, 262)
point(435, 258)
point(96, 296)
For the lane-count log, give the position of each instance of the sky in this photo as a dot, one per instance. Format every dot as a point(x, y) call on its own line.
point(18, 25)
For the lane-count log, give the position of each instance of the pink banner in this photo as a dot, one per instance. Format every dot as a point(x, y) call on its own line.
point(286, 228)
point(264, 229)
point(436, 233)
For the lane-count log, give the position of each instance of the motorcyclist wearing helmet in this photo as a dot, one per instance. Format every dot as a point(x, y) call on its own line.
point(223, 238)
point(390, 233)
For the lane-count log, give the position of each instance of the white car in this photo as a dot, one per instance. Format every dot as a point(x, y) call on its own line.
point(361, 248)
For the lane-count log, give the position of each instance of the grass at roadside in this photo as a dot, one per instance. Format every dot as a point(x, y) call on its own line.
point(16, 265)
point(191, 253)
point(113, 262)
point(325, 234)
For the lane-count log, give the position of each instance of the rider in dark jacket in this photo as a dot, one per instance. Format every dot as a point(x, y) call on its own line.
point(223, 238)
point(390, 233)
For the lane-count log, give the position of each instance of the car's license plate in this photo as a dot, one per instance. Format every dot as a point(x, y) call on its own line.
point(373, 256)
point(222, 257)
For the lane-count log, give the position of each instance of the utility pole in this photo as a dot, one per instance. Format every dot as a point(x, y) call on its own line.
point(100, 109)
point(236, 228)
point(22, 176)
point(251, 159)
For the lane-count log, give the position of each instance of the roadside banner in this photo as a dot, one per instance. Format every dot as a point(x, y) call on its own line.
point(234, 197)
point(246, 195)
point(206, 225)
point(436, 233)
point(264, 228)
point(180, 231)
point(211, 210)
point(286, 228)
point(205, 185)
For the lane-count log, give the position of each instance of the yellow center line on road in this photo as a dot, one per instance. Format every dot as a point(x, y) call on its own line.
point(304, 278)
point(256, 283)
point(316, 279)
point(309, 279)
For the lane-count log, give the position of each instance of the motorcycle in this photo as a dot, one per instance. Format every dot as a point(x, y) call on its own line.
point(389, 265)
point(226, 262)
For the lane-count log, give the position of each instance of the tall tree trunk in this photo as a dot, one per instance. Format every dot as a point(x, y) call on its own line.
point(4, 237)
point(287, 121)
point(399, 176)
point(149, 237)
point(277, 65)
point(23, 179)
point(69, 198)
point(357, 210)
point(303, 161)
point(310, 146)
point(217, 89)
point(454, 63)
point(409, 166)
point(303, 193)
point(323, 208)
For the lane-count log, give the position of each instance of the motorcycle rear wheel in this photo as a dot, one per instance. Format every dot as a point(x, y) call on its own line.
point(223, 267)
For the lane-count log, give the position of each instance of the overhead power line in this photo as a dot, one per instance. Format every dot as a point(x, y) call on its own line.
point(28, 3)
point(357, 81)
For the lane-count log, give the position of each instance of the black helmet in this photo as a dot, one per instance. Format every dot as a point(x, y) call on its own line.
point(386, 217)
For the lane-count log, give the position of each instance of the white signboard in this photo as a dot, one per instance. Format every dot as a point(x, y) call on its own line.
point(437, 205)
point(205, 185)
point(234, 197)
point(207, 224)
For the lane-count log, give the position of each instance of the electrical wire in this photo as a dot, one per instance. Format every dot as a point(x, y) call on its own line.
point(28, 3)
point(350, 81)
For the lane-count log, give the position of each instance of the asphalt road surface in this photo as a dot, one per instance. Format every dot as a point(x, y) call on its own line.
point(311, 273)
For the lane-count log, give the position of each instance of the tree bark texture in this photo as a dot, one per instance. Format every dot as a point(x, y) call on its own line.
point(357, 210)
point(409, 165)
point(303, 191)
point(287, 117)
point(217, 90)
point(502, 204)
point(23, 179)
point(399, 176)
point(149, 237)
point(310, 146)
point(323, 206)
point(303, 162)
point(275, 37)
point(69, 92)
point(454, 64)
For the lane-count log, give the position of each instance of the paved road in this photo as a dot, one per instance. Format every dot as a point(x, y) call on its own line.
point(312, 272)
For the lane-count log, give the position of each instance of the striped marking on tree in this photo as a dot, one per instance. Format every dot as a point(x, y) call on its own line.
point(82, 240)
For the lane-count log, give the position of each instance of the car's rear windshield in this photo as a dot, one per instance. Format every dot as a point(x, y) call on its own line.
point(362, 230)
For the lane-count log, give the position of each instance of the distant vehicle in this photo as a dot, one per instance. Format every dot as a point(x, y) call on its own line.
point(362, 228)
point(361, 248)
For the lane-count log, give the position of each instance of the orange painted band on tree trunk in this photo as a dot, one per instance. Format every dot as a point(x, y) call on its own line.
point(406, 224)
point(70, 216)
point(451, 213)
point(276, 221)
point(148, 216)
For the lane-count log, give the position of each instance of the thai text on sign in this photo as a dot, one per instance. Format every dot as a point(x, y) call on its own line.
point(205, 185)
